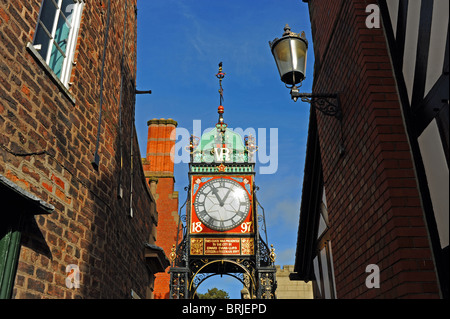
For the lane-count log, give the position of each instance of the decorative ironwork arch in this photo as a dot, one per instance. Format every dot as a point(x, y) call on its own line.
point(246, 272)
point(236, 276)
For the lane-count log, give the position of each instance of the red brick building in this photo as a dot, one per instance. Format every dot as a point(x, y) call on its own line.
point(159, 172)
point(383, 203)
point(77, 217)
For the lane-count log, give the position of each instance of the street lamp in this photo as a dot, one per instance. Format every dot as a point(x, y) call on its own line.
point(290, 56)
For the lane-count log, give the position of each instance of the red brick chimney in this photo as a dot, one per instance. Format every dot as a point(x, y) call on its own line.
point(158, 168)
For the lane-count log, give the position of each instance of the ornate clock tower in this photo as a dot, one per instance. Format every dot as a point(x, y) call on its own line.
point(222, 230)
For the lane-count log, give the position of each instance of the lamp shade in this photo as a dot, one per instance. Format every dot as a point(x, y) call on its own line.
point(290, 56)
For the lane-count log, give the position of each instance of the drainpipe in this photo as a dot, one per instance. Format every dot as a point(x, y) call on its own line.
point(122, 72)
point(96, 161)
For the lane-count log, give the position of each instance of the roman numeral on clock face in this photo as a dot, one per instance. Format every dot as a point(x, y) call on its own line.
point(240, 213)
point(201, 213)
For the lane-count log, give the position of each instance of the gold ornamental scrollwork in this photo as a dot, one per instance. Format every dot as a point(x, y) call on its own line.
point(266, 284)
point(196, 246)
point(247, 246)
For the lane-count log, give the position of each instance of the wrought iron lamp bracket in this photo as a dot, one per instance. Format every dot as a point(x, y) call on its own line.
point(328, 104)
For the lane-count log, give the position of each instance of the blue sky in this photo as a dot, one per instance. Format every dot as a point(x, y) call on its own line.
point(180, 44)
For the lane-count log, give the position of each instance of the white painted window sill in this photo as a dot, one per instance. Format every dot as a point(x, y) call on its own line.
point(50, 72)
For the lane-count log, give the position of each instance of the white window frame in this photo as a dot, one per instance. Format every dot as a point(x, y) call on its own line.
point(72, 37)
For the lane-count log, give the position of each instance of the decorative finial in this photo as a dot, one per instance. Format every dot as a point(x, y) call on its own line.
point(193, 143)
point(172, 254)
point(273, 256)
point(250, 144)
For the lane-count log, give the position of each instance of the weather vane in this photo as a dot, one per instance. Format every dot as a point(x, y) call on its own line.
point(220, 76)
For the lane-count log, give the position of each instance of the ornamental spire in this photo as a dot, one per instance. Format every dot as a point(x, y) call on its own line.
point(221, 126)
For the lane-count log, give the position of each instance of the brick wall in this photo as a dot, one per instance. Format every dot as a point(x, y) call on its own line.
point(372, 193)
point(91, 226)
point(159, 171)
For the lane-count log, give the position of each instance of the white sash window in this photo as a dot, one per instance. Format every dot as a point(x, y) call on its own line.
point(56, 35)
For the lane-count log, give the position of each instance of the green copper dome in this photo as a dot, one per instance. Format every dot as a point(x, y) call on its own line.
point(212, 144)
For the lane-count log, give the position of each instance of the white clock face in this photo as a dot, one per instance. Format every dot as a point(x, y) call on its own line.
point(222, 204)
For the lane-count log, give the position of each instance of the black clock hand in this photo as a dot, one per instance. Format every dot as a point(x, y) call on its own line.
point(226, 195)
point(215, 192)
